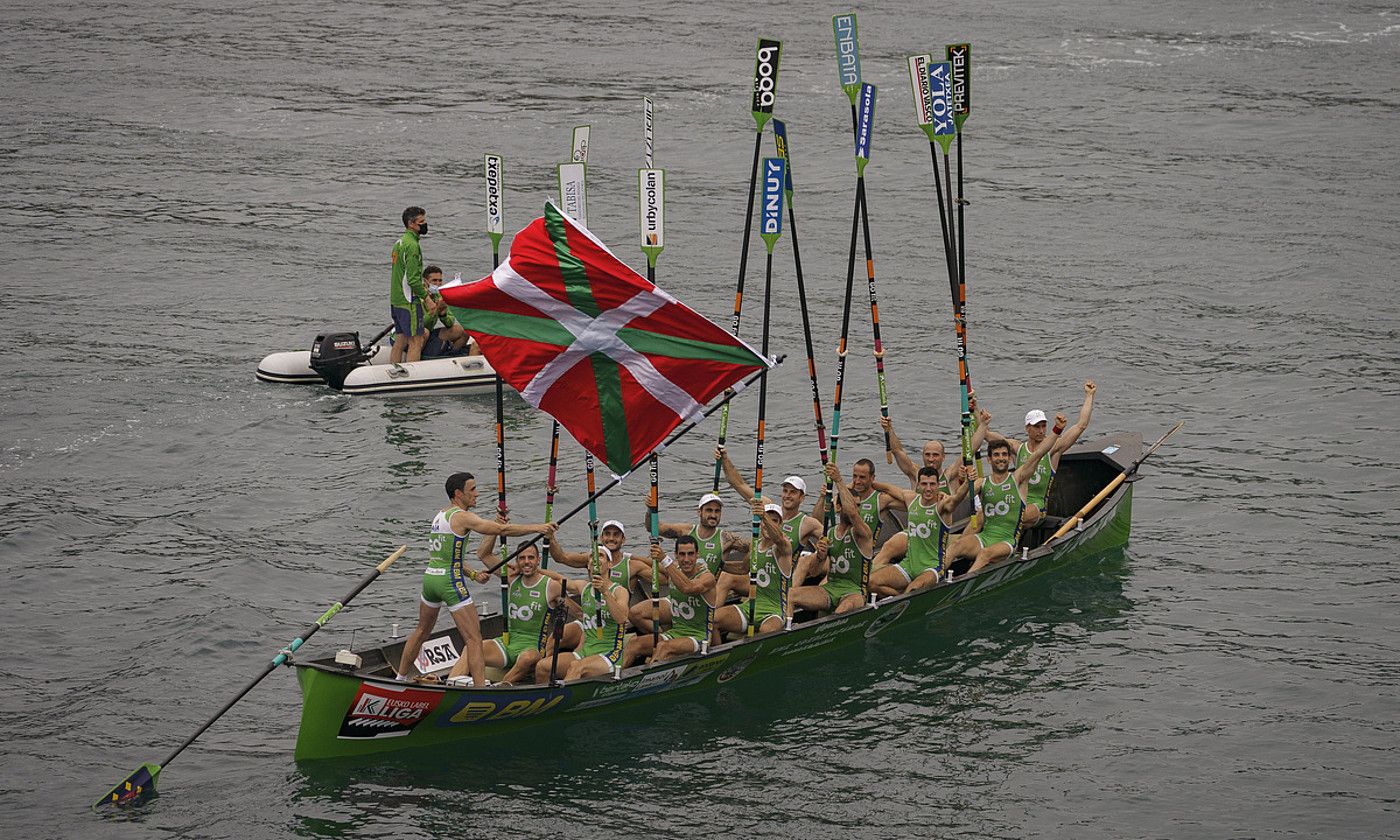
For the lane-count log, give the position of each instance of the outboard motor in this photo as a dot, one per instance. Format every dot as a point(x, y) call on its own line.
point(334, 355)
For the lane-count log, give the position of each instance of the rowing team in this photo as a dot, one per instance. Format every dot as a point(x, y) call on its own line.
point(835, 570)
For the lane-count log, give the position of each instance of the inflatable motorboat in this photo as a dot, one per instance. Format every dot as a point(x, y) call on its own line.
point(339, 360)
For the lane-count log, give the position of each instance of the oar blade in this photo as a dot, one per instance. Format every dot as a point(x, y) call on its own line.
point(132, 791)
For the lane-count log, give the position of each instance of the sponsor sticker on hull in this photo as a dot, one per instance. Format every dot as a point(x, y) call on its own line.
point(437, 655)
point(387, 711)
point(474, 708)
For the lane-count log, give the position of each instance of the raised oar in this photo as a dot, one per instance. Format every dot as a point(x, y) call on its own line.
point(550, 486)
point(495, 228)
point(1069, 524)
point(593, 569)
point(765, 90)
point(843, 27)
point(140, 784)
point(770, 228)
point(670, 440)
point(866, 125)
point(651, 199)
point(960, 82)
point(784, 151)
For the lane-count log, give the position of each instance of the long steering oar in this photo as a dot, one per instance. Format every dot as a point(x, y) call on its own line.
point(765, 92)
point(1073, 521)
point(771, 227)
point(780, 138)
point(140, 784)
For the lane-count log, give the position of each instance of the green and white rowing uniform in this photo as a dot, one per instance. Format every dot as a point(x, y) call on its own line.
point(527, 611)
point(691, 616)
point(610, 645)
point(1002, 506)
point(849, 567)
point(444, 581)
point(793, 529)
point(1038, 487)
point(870, 512)
point(711, 550)
point(771, 594)
point(928, 538)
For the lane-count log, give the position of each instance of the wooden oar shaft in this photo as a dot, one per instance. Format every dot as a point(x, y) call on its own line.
point(1073, 521)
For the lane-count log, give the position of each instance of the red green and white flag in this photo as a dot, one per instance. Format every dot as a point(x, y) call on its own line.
point(584, 338)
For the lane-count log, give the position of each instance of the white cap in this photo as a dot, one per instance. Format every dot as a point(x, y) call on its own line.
point(772, 508)
point(1035, 416)
point(613, 523)
point(797, 483)
point(707, 498)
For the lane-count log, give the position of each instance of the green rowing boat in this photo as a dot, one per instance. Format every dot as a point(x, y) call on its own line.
point(354, 711)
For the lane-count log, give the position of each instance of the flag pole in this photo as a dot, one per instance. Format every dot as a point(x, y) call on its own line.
point(780, 138)
point(651, 199)
point(675, 435)
point(770, 228)
point(765, 89)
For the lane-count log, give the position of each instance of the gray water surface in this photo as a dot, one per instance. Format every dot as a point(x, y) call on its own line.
point(1192, 203)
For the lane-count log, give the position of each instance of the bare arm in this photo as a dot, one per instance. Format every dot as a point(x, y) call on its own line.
point(1026, 470)
point(901, 458)
point(731, 473)
point(617, 605)
point(899, 497)
point(1086, 411)
point(577, 559)
point(673, 529)
point(470, 521)
point(951, 501)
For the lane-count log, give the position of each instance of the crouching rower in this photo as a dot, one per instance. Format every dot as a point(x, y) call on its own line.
point(687, 608)
point(1003, 497)
point(712, 545)
point(926, 537)
point(845, 553)
point(772, 573)
point(445, 579)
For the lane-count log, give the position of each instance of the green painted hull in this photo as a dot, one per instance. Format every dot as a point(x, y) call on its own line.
point(345, 714)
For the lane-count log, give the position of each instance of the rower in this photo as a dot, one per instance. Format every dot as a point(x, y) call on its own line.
point(527, 618)
point(772, 575)
point(1038, 491)
point(444, 581)
point(604, 621)
point(688, 608)
point(1003, 499)
point(845, 552)
point(610, 539)
point(712, 544)
point(801, 529)
point(930, 520)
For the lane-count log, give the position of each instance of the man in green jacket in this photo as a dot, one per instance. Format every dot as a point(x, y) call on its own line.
point(407, 294)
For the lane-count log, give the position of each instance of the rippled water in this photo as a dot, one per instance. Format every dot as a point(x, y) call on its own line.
point(1194, 205)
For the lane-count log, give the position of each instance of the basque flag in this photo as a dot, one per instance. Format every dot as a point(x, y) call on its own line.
point(584, 338)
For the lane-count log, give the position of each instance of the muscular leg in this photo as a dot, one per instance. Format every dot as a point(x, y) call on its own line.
point(470, 627)
point(638, 648)
point(924, 580)
point(853, 601)
point(809, 598)
point(1030, 516)
point(674, 649)
point(524, 667)
point(771, 623)
point(966, 545)
point(399, 348)
point(991, 554)
point(491, 654)
point(730, 619)
point(427, 619)
point(887, 581)
point(730, 582)
point(893, 550)
point(640, 615)
point(593, 666)
point(415, 351)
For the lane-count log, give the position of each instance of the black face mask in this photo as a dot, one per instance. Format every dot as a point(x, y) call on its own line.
point(423, 229)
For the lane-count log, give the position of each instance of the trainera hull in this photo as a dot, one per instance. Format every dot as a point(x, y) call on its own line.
point(345, 714)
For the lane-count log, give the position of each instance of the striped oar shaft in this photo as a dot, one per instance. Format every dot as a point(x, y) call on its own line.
point(780, 137)
point(593, 567)
point(765, 91)
point(771, 227)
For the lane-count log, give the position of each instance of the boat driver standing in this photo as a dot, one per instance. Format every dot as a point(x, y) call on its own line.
point(406, 292)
